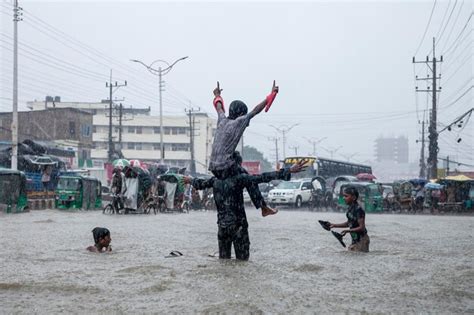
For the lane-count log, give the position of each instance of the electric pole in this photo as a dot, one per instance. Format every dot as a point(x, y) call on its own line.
point(314, 142)
point(295, 148)
point(277, 164)
point(284, 130)
point(110, 86)
point(190, 112)
point(433, 134)
point(14, 126)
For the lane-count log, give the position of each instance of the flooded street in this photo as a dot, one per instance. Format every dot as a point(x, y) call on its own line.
point(416, 264)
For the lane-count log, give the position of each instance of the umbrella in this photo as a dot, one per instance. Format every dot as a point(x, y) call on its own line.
point(433, 186)
point(120, 163)
point(460, 178)
point(135, 163)
point(365, 176)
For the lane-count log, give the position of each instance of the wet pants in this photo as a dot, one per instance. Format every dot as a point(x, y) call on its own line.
point(362, 245)
point(237, 235)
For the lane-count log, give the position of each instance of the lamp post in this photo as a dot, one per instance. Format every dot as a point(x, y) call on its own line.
point(160, 72)
point(284, 130)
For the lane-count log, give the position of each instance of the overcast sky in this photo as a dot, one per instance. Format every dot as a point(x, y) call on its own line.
point(344, 68)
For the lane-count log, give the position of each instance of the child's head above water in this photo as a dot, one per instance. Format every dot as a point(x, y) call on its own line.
point(350, 194)
point(237, 109)
point(101, 237)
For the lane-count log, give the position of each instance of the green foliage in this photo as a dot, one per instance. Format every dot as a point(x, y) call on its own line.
point(252, 154)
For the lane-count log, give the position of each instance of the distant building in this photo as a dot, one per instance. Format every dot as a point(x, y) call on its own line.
point(392, 149)
point(140, 133)
point(63, 127)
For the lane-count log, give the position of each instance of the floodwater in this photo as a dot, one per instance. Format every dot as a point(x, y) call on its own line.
point(417, 264)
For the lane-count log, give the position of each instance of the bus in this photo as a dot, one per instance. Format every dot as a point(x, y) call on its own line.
point(326, 168)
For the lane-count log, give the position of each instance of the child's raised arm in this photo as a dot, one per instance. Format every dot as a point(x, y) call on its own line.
point(266, 103)
point(218, 101)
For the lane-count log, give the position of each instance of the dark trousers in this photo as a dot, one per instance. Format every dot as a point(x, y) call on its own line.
point(253, 190)
point(237, 235)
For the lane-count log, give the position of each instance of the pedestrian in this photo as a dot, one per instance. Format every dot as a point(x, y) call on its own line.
point(46, 177)
point(228, 133)
point(231, 217)
point(118, 188)
point(355, 222)
point(102, 240)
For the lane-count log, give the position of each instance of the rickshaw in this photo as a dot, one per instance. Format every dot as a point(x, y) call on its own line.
point(13, 197)
point(320, 197)
point(402, 191)
point(432, 196)
point(459, 193)
point(370, 197)
point(174, 193)
point(78, 192)
point(137, 196)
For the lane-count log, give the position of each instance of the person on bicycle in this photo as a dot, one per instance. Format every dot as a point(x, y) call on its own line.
point(118, 188)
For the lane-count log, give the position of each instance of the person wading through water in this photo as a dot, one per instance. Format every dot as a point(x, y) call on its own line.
point(355, 222)
point(231, 217)
point(228, 133)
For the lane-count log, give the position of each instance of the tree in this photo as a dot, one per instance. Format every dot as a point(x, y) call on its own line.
point(252, 154)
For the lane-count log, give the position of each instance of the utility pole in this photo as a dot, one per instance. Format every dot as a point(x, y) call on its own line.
point(422, 153)
point(277, 164)
point(14, 126)
point(110, 86)
point(120, 125)
point(314, 142)
point(295, 148)
point(190, 112)
point(447, 165)
point(160, 72)
point(284, 130)
point(433, 134)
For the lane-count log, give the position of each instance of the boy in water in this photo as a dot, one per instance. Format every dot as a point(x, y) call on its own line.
point(355, 222)
point(102, 240)
point(231, 217)
point(228, 133)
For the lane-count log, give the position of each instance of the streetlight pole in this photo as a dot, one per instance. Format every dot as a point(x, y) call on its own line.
point(160, 72)
point(284, 130)
point(314, 142)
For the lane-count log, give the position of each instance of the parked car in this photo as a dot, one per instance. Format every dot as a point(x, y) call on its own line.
point(293, 193)
point(264, 189)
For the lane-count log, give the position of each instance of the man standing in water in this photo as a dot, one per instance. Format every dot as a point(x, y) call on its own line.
point(355, 222)
point(228, 133)
point(231, 217)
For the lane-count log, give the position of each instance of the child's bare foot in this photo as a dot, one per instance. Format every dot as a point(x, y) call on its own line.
point(266, 210)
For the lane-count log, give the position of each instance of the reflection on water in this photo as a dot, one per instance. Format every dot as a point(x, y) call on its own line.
point(416, 264)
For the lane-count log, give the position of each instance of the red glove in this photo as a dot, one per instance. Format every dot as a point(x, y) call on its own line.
point(270, 99)
point(218, 99)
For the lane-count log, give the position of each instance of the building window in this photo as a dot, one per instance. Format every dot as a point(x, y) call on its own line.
point(94, 129)
point(130, 145)
point(156, 129)
point(138, 146)
point(139, 130)
point(167, 130)
point(156, 146)
point(72, 128)
point(131, 129)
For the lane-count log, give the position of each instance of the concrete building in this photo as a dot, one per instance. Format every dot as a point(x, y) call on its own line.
point(140, 136)
point(393, 149)
point(65, 127)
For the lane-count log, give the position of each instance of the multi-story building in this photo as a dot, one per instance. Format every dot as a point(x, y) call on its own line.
point(138, 134)
point(63, 127)
point(392, 149)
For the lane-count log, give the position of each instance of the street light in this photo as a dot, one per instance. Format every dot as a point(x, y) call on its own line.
point(160, 72)
point(314, 142)
point(284, 130)
point(332, 150)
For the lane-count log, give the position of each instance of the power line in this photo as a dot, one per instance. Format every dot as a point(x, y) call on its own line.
point(447, 23)
point(452, 27)
point(426, 29)
point(460, 33)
